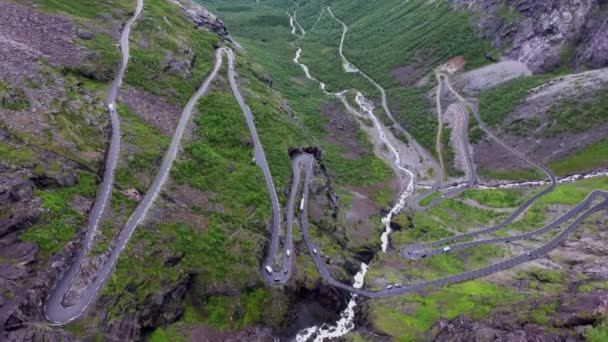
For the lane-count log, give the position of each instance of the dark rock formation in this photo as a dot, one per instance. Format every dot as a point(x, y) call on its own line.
point(465, 329)
point(26, 277)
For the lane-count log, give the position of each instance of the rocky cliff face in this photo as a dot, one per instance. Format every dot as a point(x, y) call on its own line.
point(574, 312)
point(203, 18)
point(545, 34)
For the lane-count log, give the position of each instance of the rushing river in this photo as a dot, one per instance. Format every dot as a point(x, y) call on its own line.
point(366, 108)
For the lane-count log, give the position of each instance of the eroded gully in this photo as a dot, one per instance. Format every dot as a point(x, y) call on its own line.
point(382, 136)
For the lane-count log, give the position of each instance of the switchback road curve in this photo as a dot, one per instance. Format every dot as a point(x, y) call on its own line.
point(54, 309)
point(51, 309)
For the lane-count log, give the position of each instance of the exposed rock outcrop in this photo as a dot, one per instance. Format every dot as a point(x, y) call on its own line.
point(545, 34)
point(203, 18)
point(575, 312)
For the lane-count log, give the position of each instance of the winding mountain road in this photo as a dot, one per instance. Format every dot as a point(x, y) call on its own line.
point(580, 210)
point(303, 173)
point(465, 147)
point(54, 309)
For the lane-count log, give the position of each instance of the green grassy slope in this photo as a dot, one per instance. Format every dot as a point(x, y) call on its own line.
point(417, 35)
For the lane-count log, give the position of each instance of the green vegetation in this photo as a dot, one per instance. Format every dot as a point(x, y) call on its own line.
point(228, 312)
point(16, 154)
point(578, 115)
point(320, 53)
point(174, 58)
point(573, 193)
point(427, 200)
point(496, 104)
point(269, 43)
point(598, 333)
point(221, 312)
point(87, 10)
point(427, 34)
point(448, 152)
point(172, 239)
point(542, 314)
point(509, 14)
point(522, 127)
point(476, 134)
point(421, 228)
point(12, 99)
point(60, 223)
point(461, 216)
point(171, 333)
point(407, 318)
point(413, 111)
point(497, 198)
point(548, 276)
point(104, 64)
point(591, 286)
point(591, 157)
point(143, 149)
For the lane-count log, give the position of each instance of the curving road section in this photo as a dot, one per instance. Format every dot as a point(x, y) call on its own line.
point(580, 211)
point(303, 171)
point(270, 274)
point(418, 249)
point(51, 309)
point(577, 210)
point(465, 146)
point(320, 263)
point(304, 163)
point(54, 309)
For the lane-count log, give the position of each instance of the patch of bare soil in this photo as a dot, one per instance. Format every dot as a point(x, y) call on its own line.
point(454, 117)
point(406, 75)
point(546, 149)
point(38, 34)
point(491, 76)
point(343, 130)
point(533, 142)
point(362, 209)
point(456, 63)
point(27, 40)
point(152, 109)
point(492, 155)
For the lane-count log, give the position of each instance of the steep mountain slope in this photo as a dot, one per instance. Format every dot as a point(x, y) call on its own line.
point(196, 257)
point(316, 75)
point(401, 45)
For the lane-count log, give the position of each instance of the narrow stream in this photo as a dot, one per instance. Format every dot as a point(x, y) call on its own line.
point(346, 323)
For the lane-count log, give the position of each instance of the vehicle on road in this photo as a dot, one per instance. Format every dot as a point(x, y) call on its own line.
point(268, 269)
point(446, 249)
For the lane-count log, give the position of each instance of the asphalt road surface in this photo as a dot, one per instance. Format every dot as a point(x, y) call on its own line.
point(468, 155)
point(406, 288)
point(302, 165)
point(54, 309)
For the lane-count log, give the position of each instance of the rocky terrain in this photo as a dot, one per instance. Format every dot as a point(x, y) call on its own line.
point(53, 132)
point(545, 34)
point(56, 59)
